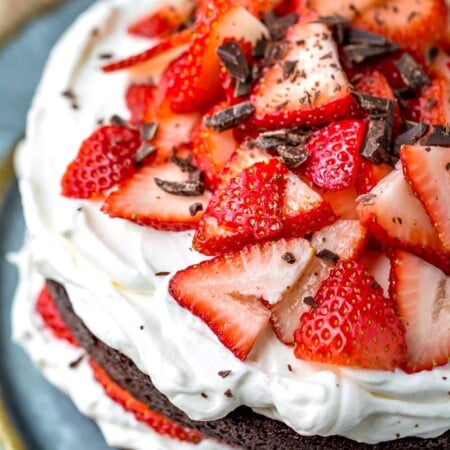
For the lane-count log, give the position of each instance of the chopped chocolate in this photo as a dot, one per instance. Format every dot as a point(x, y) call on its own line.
point(184, 188)
point(242, 89)
point(68, 93)
point(374, 285)
point(328, 255)
point(439, 135)
point(411, 136)
point(195, 208)
point(119, 121)
point(411, 73)
point(289, 258)
point(274, 52)
point(224, 373)
point(228, 393)
point(141, 327)
point(278, 26)
point(106, 55)
point(185, 164)
point(377, 142)
point(204, 395)
point(310, 301)
point(233, 59)
point(338, 24)
point(431, 54)
point(148, 131)
point(230, 117)
point(358, 53)
point(162, 274)
point(144, 151)
point(288, 68)
point(259, 50)
point(292, 156)
point(76, 363)
point(375, 106)
point(289, 368)
point(358, 36)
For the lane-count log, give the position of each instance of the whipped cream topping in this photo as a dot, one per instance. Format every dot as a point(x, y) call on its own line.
point(109, 268)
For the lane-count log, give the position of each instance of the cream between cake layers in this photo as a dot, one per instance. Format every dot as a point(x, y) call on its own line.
point(109, 268)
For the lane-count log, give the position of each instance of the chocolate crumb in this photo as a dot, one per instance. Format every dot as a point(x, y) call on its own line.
point(119, 121)
point(106, 55)
point(182, 188)
point(374, 285)
point(228, 393)
point(288, 68)
point(204, 395)
point(328, 255)
point(185, 164)
point(447, 166)
point(69, 93)
point(76, 363)
point(224, 373)
point(195, 208)
point(292, 156)
point(309, 300)
point(289, 368)
point(230, 117)
point(162, 274)
point(100, 121)
point(410, 71)
point(289, 258)
point(259, 49)
point(141, 327)
point(431, 54)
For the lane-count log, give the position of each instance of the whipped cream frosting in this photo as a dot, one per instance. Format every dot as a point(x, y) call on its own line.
point(109, 267)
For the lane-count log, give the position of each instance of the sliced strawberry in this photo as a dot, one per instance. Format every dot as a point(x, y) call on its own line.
point(344, 238)
point(370, 174)
point(228, 292)
point(334, 158)
point(46, 308)
point(140, 100)
point(346, 8)
point(379, 266)
point(153, 58)
point(161, 424)
point(343, 203)
point(316, 90)
point(353, 323)
point(428, 171)
point(142, 201)
point(196, 83)
point(259, 7)
point(415, 26)
point(167, 19)
point(212, 150)
point(422, 293)
point(105, 158)
point(302, 211)
point(396, 217)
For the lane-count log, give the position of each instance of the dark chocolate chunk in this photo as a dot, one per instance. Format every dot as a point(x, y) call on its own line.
point(230, 117)
point(377, 141)
point(328, 255)
point(358, 53)
point(275, 51)
point(440, 136)
point(148, 131)
point(310, 302)
point(195, 208)
point(358, 36)
point(144, 151)
point(411, 136)
point(431, 54)
point(375, 106)
point(224, 373)
point(162, 274)
point(278, 26)
point(338, 24)
point(233, 59)
point(259, 50)
point(289, 258)
point(119, 121)
point(288, 68)
point(184, 188)
point(411, 73)
point(185, 164)
point(242, 89)
point(292, 156)
point(106, 55)
point(228, 393)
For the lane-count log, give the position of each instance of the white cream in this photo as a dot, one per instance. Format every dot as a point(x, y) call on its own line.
point(108, 267)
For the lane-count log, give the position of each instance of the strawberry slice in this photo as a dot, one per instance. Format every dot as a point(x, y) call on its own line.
point(334, 158)
point(428, 171)
point(346, 8)
point(422, 293)
point(141, 200)
point(346, 239)
point(302, 211)
point(196, 83)
point(416, 26)
point(105, 158)
point(140, 100)
point(379, 266)
point(396, 217)
point(212, 150)
point(46, 308)
point(370, 174)
point(353, 324)
point(167, 19)
point(315, 92)
point(162, 425)
point(228, 292)
point(343, 203)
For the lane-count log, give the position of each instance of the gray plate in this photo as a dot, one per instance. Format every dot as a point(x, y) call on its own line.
point(45, 418)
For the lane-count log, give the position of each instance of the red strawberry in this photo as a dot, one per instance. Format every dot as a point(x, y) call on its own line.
point(353, 324)
point(428, 171)
point(302, 211)
point(422, 293)
point(141, 411)
point(196, 83)
point(346, 8)
point(259, 7)
point(314, 92)
point(166, 20)
point(154, 57)
point(334, 158)
point(142, 201)
point(396, 217)
point(212, 150)
point(415, 26)
point(228, 292)
point(105, 158)
point(370, 174)
point(141, 103)
point(46, 308)
point(345, 238)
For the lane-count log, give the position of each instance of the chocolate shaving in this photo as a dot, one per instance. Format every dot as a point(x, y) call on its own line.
point(328, 255)
point(289, 258)
point(358, 36)
point(278, 26)
point(431, 54)
point(288, 68)
point(242, 89)
point(230, 117)
point(411, 73)
point(69, 93)
point(274, 52)
point(233, 59)
point(183, 188)
point(358, 53)
point(76, 363)
point(185, 164)
point(310, 301)
point(224, 373)
point(195, 208)
point(162, 274)
point(144, 151)
point(377, 142)
point(148, 131)
point(228, 393)
point(106, 55)
point(119, 121)
point(440, 136)
point(259, 50)
point(411, 136)
point(338, 24)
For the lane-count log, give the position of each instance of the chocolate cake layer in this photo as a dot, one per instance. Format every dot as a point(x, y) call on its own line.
point(241, 428)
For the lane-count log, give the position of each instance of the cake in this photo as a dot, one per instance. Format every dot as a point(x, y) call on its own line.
point(131, 258)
